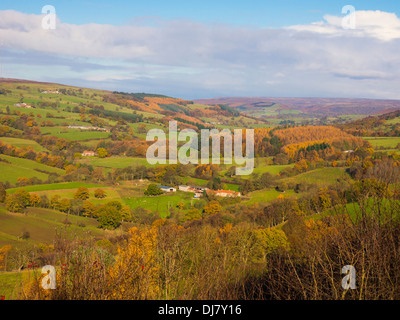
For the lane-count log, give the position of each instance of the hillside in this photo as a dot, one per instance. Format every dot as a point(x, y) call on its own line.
point(69, 103)
point(74, 180)
point(311, 106)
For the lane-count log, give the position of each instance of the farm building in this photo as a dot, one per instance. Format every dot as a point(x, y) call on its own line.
point(225, 193)
point(51, 91)
point(167, 189)
point(198, 191)
point(88, 153)
point(192, 188)
point(88, 128)
point(23, 105)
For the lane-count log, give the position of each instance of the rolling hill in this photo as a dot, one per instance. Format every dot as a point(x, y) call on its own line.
point(310, 106)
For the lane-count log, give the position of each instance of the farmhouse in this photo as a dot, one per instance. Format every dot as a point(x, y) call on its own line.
point(192, 188)
point(88, 128)
point(166, 189)
point(51, 91)
point(225, 193)
point(23, 105)
point(184, 188)
point(198, 191)
point(88, 153)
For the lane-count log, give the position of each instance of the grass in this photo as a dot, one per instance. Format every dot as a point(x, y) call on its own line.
point(353, 210)
point(31, 164)
point(10, 281)
point(19, 143)
point(116, 162)
point(111, 193)
point(268, 195)
point(194, 181)
point(19, 167)
point(272, 169)
point(92, 144)
point(385, 142)
point(262, 165)
point(74, 134)
point(321, 177)
point(42, 225)
point(11, 173)
point(160, 203)
point(57, 186)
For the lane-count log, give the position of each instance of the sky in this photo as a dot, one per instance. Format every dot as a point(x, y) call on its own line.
point(205, 49)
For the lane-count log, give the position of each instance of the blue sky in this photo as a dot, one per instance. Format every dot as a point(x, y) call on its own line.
point(262, 13)
point(201, 49)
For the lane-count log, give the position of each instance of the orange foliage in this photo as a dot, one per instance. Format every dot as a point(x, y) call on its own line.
point(313, 133)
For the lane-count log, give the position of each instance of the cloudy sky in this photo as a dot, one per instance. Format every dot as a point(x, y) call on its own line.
point(204, 49)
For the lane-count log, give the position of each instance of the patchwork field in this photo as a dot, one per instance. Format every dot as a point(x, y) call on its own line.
point(10, 281)
point(18, 168)
point(264, 196)
point(272, 169)
point(321, 177)
point(115, 162)
point(42, 225)
point(17, 142)
point(74, 134)
point(57, 186)
point(160, 203)
point(385, 142)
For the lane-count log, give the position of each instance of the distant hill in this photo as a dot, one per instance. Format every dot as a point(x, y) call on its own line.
point(61, 105)
point(311, 106)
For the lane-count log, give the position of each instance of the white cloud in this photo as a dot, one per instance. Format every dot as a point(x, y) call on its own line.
point(198, 60)
point(378, 24)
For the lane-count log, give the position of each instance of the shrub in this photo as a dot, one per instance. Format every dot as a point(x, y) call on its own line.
point(153, 190)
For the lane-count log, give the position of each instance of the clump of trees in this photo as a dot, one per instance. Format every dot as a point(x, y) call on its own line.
point(153, 190)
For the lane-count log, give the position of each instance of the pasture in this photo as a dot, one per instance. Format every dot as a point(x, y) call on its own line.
point(19, 143)
point(42, 225)
point(160, 203)
point(115, 162)
point(19, 167)
point(57, 186)
point(267, 195)
point(74, 134)
point(320, 177)
point(385, 142)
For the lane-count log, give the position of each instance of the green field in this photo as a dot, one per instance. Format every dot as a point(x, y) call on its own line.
point(19, 167)
point(320, 177)
point(116, 162)
point(393, 121)
point(385, 142)
point(160, 203)
point(74, 134)
point(111, 194)
point(272, 169)
point(11, 281)
point(57, 186)
point(22, 143)
point(42, 225)
point(263, 196)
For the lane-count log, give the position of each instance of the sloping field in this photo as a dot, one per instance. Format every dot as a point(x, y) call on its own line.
point(19, 167)
point(42, 225)
point(57, 186)
point(321, 177)
point(17, 142)
point(385, 142)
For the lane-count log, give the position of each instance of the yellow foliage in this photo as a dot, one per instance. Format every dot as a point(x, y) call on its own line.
point(226, 229)
point(136, 272)
point(3, 253)
point(317, 229)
